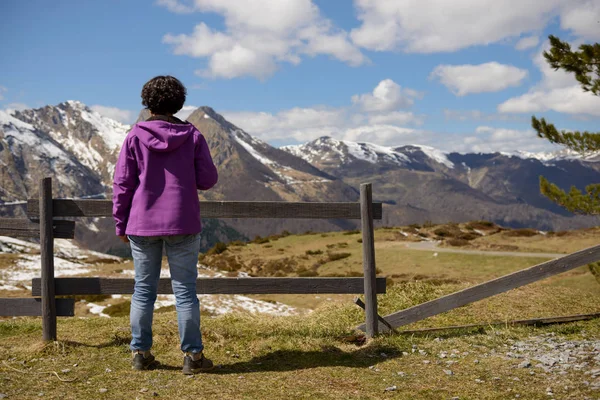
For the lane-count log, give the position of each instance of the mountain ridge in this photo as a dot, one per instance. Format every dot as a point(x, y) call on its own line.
point(416, 182)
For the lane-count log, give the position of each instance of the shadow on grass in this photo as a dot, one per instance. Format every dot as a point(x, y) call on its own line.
point(292, 360)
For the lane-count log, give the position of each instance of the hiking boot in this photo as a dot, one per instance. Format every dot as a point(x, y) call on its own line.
point(191, 366)
point(142, 360)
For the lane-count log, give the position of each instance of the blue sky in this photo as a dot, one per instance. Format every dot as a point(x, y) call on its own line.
point(464, 75)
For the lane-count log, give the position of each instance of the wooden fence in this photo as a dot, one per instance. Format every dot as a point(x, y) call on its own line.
point(42, 212)
point(488, 289)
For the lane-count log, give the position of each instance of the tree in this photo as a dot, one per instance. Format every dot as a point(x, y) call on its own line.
point(585, 64)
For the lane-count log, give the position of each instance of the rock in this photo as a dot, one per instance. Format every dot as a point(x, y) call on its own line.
point(475, 361)
point(448, 372)
point(426, 361)
point(478, 381)
point(382, 355)
point(422, 352)
point(103, 390)
point(3, 396)
point(391, 388)
point(143, 390)
point(108, 370)
point(400, 373)
point(525, 364)
point(65, 371)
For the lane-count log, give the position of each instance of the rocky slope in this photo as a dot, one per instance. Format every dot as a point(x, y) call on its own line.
point(79, 147)
point(421, 183)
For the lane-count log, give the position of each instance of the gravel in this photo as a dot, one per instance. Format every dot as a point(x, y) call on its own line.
point(556, 356)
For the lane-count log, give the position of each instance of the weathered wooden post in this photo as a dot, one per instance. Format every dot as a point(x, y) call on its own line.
point(368, 242)
point(47, 259)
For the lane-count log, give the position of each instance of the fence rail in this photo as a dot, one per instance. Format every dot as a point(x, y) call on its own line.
point(221, 209)
point(32, 307)
point(22, 227)
point(46, 209)
point(87, 286)
point(491, 288)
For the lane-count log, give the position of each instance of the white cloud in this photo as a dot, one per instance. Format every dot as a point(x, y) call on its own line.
point(386, 96)
point(570, 100)
point(584, 21)
point(397, 117)
point(478, 115)
point(426, 26)
point(10, 107)
point(259, 35)
point(488, 139)
point(557, 91)
point(2, 90)
point(488, 77)
point(118, 114)
point(185, 112)
point(527, 42)
point(373, 118)
point(176, 6)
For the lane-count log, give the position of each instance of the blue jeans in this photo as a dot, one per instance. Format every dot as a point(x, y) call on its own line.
point(182, 254)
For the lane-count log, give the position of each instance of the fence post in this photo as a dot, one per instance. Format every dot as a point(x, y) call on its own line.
point(47, 259)
point(368, 242)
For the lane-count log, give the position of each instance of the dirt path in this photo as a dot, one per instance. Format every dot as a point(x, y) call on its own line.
point(433, 246)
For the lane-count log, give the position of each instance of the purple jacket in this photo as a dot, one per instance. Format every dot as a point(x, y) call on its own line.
point(160, 168)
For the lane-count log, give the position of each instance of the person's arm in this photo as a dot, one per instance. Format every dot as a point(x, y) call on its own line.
point(206, 172)
point(124, 184)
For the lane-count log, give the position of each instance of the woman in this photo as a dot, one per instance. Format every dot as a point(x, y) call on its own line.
point(162, 164)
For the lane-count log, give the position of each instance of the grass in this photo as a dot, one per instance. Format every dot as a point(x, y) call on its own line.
point(313, 356)
point(318, 354)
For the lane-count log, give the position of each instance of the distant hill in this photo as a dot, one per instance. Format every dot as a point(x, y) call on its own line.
point(421, 183)
point(79, 147)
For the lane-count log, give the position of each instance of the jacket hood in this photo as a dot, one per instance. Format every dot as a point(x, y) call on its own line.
point(162, 136)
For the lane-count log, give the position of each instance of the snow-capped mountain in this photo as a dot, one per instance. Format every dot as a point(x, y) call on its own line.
point(79, 147)
point(94, 139)
point(326, 150)
point(28, 154)
point(423, 183)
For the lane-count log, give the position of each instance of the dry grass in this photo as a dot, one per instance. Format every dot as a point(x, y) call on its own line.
point(314, 356)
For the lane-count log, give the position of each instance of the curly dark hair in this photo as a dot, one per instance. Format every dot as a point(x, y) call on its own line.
point(163, 95)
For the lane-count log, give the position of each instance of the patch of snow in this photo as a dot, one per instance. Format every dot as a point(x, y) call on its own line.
point(482, 233)
point(12, 245)
point(97, 309)
point(28, 267)
point(18, 132)
point(436, 155)
point(9, 287)
point(224, 304)
point(112, 132)
point(65, 248)
point(239, 137)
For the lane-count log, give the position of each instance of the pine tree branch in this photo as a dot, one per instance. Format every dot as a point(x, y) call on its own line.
point(583, 143)
point(575, 200)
